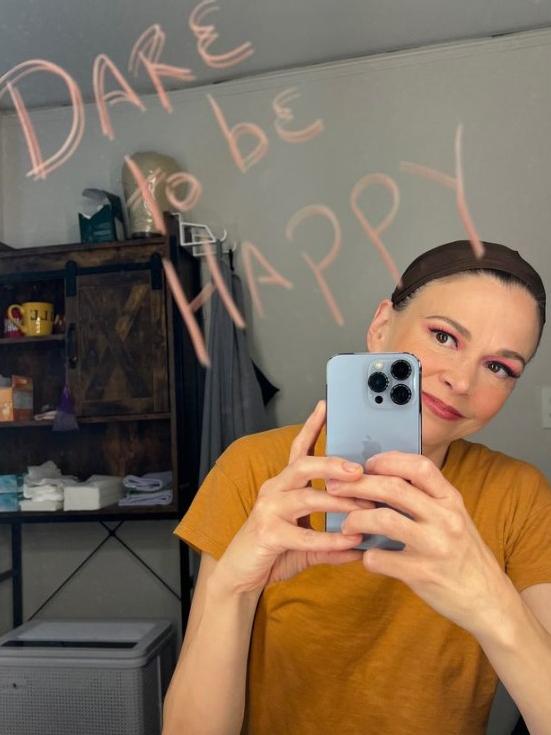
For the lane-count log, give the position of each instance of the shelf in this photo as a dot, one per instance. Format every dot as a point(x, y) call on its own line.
point(13, 341)
point(110, 513)
point(123, 417)
point(86, 420)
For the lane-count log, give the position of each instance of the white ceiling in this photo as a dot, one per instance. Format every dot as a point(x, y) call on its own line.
point(283, 34)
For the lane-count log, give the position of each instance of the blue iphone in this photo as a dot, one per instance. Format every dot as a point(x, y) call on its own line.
point(373, 405)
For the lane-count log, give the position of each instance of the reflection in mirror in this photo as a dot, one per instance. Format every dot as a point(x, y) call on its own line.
point(200, 206)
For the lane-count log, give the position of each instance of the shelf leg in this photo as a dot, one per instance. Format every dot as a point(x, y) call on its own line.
point(17, 575)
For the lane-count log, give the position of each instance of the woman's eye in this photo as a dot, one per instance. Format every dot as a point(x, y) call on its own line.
point(497, 368)
point(506, 372)
point(442, 337)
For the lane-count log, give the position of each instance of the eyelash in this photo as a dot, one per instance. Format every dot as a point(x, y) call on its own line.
point(507, 369)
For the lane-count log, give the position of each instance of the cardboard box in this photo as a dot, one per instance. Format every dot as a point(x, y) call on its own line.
point(16, 398)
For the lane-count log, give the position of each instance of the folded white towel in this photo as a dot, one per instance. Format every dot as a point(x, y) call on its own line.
point(32, 489)
point(41, 505)
point(161, 497)
point(150, 482)
point(47, 470)
point(43, 492)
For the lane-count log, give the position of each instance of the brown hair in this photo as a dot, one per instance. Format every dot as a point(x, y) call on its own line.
point(455, 258)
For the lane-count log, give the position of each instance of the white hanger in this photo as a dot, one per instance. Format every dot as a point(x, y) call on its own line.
point(200, 243)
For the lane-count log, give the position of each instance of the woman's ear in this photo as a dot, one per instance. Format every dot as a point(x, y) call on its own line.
point(378, 331)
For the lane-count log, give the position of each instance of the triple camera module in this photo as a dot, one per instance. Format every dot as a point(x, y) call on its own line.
point(399, 393)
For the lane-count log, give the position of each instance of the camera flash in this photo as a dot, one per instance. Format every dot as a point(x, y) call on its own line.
point(378, 365)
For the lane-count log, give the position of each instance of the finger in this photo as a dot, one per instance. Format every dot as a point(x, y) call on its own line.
point(335, 557)
point(294, 538)
point(391, 564)
point(294, 505)
point(416, 468)
point(387, 522)
point(304, 442)
point(304, 521)
point(394, 491)
point(306, 468)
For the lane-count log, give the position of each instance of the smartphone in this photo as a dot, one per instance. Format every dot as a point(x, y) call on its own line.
point(373, 406)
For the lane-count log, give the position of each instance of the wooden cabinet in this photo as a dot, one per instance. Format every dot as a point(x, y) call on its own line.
point(123, 352)
point(128, 360)
point(117, 344)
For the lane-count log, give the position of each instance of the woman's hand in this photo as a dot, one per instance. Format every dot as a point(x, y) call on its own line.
point(445, 561)
point(276, 541)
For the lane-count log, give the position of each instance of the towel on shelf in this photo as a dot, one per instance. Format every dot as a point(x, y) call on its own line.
point(43, 492)
point(46, 470)
point(43, 487)
point(153, 488)
point(41, 505)
point(99, 491)
point(160, 497)
point(9, 493)
point(49, 488)
point(9, 484)
point(150, 482)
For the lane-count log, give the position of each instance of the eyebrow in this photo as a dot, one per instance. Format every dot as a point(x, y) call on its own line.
point(465, 333)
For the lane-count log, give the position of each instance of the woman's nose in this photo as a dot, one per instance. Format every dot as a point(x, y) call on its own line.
point(459, 377)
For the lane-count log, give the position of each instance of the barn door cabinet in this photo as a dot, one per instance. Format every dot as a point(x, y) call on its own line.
point(130, 366)
point(118, 356)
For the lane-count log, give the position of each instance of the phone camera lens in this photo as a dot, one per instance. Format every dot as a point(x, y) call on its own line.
point(400, 394)
point(401, 369)
point(378, 382)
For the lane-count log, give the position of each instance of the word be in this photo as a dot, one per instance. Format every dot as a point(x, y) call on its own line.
point(274, 277)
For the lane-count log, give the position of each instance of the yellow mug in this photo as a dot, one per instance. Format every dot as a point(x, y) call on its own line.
point(38, 318)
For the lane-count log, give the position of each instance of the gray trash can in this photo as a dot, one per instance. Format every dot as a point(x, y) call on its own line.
point(92, 677)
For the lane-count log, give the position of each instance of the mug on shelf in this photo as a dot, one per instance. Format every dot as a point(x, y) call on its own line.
point(11, 326)
point(37, 320)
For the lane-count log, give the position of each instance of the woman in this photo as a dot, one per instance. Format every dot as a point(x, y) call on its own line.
point(293, 631)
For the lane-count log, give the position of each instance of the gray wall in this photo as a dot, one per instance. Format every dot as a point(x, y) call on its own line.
point(376, 113)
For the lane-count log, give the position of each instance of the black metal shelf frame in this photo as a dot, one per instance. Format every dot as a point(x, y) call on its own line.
point(15, 573)
point(189, 392)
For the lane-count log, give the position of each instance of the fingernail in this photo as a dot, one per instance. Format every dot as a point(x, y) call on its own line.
point(351, 466)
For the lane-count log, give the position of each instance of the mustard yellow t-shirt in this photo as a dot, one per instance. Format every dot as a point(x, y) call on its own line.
point(338, 650)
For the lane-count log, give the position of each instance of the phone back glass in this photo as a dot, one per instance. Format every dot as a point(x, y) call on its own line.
point(358, 426)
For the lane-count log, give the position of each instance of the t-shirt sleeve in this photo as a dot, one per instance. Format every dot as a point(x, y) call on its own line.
point(215, 515)
point(528, 545)
point(227, 495)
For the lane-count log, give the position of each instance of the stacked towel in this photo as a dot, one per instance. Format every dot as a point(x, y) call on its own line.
point(153, 488)
point(149, 482)
point(43, 487)
point(162, 497)
point(9, 491)
point(47, 470)
point(41, 505)
point(97, 492)
point(9, 483)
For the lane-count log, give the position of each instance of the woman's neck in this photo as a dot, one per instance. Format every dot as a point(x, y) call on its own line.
point(437, 454)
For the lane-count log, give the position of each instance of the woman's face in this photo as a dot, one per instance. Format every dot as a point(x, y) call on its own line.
point(473, 336)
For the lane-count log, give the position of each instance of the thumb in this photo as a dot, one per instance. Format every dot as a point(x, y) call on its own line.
point(335, 557)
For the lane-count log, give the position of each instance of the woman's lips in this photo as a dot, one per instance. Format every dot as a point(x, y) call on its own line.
point(441, 409)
